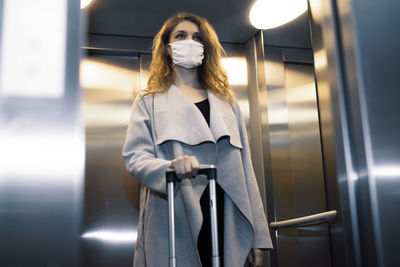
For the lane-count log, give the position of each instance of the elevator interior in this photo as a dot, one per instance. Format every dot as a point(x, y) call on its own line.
point(288, 113)
point(319, 96)
point(117, 65)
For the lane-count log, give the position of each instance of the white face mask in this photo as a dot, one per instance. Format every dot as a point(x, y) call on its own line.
point(187, 53)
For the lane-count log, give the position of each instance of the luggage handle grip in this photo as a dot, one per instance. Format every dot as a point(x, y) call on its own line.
point(209, 170)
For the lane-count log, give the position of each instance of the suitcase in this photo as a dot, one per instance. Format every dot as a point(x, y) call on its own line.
point(211, 172)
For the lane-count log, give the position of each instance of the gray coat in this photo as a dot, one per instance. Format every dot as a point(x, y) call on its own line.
point(166, 126)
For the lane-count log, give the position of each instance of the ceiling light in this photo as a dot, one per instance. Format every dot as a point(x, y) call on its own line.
point(267, 14)
point(85, 3)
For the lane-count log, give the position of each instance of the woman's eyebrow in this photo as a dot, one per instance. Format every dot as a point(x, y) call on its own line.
point(181, 31)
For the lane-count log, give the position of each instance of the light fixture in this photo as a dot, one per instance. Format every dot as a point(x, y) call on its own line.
point(85, 3)
point(267, 14)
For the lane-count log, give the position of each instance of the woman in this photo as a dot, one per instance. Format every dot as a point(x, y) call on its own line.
point(186, 116)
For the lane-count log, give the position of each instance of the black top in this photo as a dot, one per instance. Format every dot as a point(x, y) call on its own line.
point(204, 107)
point(204, 240)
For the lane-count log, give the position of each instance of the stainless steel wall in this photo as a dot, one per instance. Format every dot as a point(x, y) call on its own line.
point(287, 151)
point(298, 185)
point(41, 135)
point(111, 195)
point(357, 58)
point(340, 189)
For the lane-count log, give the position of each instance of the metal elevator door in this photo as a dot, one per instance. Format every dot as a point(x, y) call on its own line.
point(298, 187)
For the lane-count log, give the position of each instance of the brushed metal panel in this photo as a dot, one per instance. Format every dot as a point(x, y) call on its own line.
point(235, 63)
point(370, 45)
point(306, 160)
point(334, 133)
point(259, 129)
point(41, 167)
point(296, 160)
point(255, 118)
point(305, 145)
point(358, 86)
point(111, 194)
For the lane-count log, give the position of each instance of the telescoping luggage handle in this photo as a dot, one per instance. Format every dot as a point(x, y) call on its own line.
point(211, 172)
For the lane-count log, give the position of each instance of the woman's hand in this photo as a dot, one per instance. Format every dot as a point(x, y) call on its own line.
point(185, 167)
point(255, 258)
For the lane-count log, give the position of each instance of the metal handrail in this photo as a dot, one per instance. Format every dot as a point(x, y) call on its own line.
point(315, 219)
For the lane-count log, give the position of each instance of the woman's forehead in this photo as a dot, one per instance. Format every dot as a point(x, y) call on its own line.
point(187, 26)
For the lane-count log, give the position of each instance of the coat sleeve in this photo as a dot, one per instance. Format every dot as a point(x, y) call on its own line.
point(261, 230)
point(139, 149)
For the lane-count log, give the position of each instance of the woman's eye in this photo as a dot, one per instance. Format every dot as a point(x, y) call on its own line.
point(197, 38)
point(180, 36)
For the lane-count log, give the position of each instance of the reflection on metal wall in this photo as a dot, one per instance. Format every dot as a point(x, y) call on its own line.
point(111, 194)
point(360, 92)
point(371, 58)
point(340, 189)
point(41, 134)
point(297, 182)
point(286, 151)
point(236, 67)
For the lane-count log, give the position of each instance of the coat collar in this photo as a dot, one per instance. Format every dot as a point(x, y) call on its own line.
point(176, 117)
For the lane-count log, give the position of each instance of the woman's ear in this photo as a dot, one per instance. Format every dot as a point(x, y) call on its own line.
point(168, 51)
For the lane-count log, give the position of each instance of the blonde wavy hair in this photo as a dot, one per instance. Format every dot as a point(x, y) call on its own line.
point(211, 75)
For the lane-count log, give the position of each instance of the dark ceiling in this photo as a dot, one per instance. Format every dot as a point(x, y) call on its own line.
point(143, 18)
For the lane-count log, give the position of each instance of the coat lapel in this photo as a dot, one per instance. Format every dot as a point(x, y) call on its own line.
point(177, 118)
point(223, 121)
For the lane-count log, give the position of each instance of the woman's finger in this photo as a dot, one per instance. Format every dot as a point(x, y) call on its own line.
point(176, 165)
point(195, 166)
point(250, 260)
point(187, 167)
point(258, 257)
point(183, 167)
